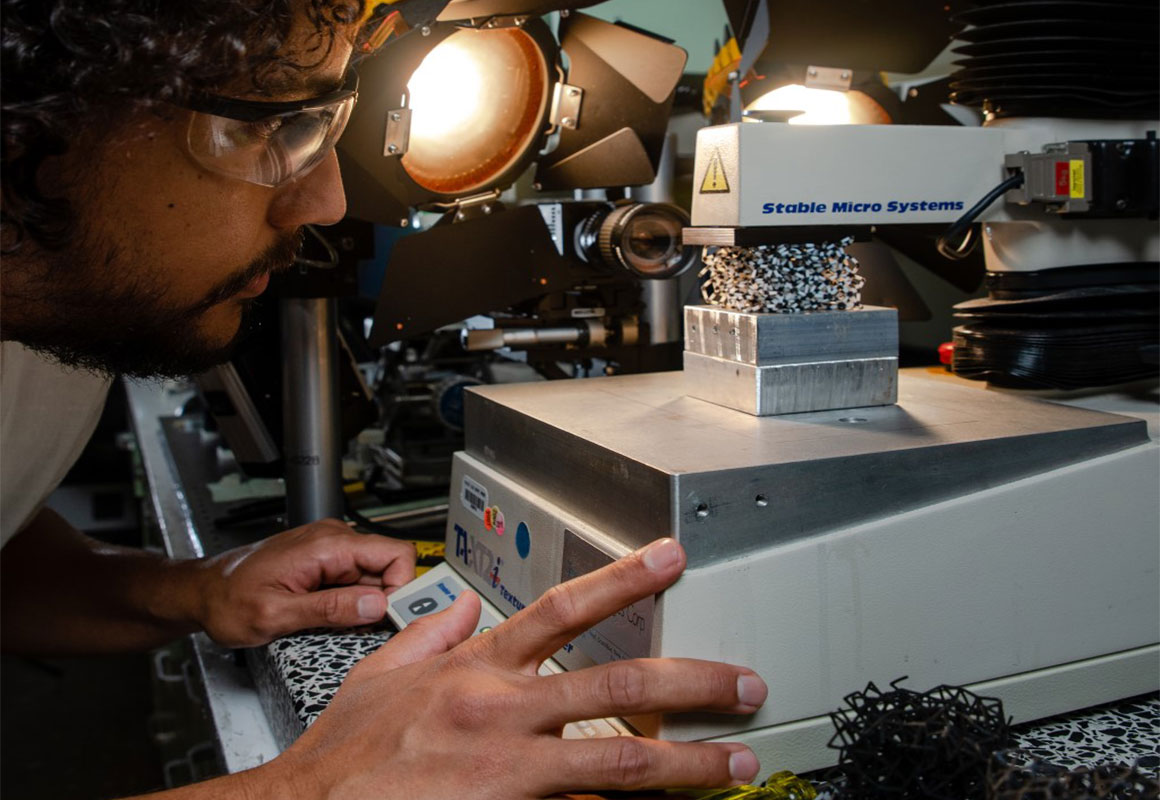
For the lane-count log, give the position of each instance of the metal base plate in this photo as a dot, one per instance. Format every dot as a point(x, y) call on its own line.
point(792, 388)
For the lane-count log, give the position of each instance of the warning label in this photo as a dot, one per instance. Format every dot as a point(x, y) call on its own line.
point(715, 181)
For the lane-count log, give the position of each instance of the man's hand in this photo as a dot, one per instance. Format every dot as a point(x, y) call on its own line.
point(63, 592)
point(319, 575)
point(435, 714)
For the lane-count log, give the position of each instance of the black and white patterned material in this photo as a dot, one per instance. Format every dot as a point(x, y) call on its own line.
point(783, 278)
point(1125, 732)
point(307, 669)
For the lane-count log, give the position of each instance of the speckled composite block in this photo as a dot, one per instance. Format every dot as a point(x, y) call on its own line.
point(299, 675)
point(783, 278)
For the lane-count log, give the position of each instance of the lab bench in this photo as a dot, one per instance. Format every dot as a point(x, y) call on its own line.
point(257, 701)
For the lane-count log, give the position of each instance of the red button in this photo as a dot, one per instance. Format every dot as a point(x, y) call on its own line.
point(946, 353)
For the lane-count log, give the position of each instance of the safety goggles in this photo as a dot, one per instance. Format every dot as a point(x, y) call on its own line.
point(268, 143)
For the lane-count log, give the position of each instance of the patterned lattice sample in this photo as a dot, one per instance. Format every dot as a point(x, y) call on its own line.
point(783, 278)
point(906, 744)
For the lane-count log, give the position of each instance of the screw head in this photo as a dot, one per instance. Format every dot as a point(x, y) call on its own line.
point(392, 148)
point(1121, 204)
point(404, 222)
point(425, 30)
point(845, 76)
point(396, 116)
point(568, 122)
point(487, 208)
point(813, 73)
point(574, 92)
point(539, 187)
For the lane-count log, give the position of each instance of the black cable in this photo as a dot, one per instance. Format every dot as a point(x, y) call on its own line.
point(962, 226)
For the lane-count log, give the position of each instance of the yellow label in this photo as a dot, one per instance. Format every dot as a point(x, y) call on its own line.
point(1077, 188)
point(715, 181)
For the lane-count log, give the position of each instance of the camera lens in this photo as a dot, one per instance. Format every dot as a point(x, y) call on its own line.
point(643, 238)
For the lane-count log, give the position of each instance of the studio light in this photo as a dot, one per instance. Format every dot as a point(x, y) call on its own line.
point(454, 112)
point(477, 101)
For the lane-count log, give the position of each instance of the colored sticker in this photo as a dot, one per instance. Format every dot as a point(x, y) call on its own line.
point(488, 517)
point(498, 522)
point(523, 540)
point(1062, 179)
point(474, 497)
point(1077, 182)
point(715, 181)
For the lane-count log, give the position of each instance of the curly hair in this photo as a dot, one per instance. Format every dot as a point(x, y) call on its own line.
point(73, 65)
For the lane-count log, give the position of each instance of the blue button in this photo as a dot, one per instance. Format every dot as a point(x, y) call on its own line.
point(523, 540)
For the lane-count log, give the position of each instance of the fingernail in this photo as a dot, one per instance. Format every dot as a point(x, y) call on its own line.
point(743, 766)
point(661, 554)
point(751, 690)
point(370, 606)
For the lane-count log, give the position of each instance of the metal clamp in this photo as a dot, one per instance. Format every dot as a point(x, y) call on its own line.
point(398, 132)
point(566, 103)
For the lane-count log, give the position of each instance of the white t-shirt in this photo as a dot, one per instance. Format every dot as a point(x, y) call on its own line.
point(47, 414)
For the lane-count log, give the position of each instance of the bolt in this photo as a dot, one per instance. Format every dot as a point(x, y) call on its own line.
point(573, 92)
point(404, 222)
point(539, 187)
point(487, 208)
point(568, 122)
point(392, 148)
point(460, 216)
point(813, 73)
point(1121, 204)
point(734, 76)
point(913, 93)
point(845, 76)
point(565, 13)
point(396, 116)
point(425, 30)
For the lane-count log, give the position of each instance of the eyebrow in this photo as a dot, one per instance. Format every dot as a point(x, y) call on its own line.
point(315, 85)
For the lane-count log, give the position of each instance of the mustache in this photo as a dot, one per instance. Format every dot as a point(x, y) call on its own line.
point(278, 257)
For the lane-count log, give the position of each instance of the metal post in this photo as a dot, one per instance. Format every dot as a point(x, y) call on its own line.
point(312, 429)
point(662, 299)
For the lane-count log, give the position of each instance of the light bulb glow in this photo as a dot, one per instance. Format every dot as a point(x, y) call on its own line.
point(477, 102)
point(446, 91)
point(819, 106)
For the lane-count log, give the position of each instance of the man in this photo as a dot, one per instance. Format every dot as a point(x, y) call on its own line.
point(159, 161)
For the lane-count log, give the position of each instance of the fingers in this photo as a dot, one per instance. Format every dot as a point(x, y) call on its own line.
point(646, 686)
point(567, 610)
point(343, 607)
point(331, 554)
point(429, 636)
point(629, 762)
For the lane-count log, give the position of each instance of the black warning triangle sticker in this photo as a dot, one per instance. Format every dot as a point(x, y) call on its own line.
point(715, 181)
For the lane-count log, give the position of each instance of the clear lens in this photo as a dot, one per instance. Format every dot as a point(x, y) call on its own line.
point(269, 151)
point(651, 243)
point(642, 238)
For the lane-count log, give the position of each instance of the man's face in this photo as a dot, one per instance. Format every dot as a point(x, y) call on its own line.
point(169, 256)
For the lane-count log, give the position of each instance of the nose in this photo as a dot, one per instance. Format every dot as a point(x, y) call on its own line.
point(316, 198)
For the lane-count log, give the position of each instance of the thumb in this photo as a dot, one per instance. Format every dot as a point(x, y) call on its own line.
point(344, 607)
point(429, 636)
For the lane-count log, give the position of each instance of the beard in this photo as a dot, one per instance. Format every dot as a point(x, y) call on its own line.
point(90, 316)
